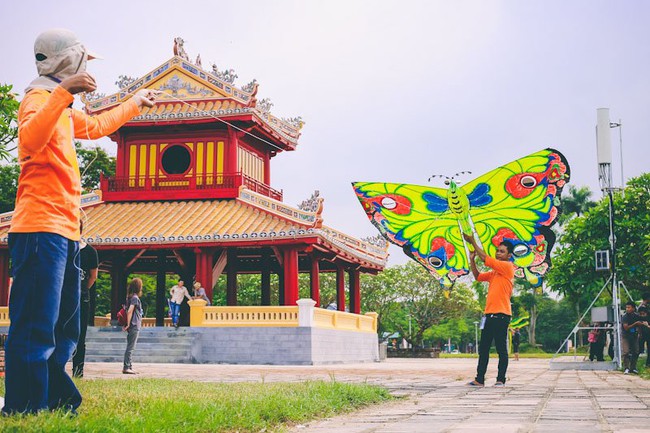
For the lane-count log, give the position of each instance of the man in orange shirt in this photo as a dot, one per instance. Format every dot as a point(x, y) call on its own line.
point(44, 235)
point(497, 314)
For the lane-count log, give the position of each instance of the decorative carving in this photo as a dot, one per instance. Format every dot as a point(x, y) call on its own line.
point(377, 240)
point(175, 84)
point(179, 50)
point(265, 105)
point(296, 122)
point(124, 81)
point(198, 61)
point(227, 75)
point(94, 96)
point(250, 86)
point(312, 203)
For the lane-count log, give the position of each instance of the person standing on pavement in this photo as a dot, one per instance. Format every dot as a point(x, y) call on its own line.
point(178, 292)
point(497, 313)
point(631, 323)
point(516, 340)
point(89, 264)
point(133, 322)
point(44, 234)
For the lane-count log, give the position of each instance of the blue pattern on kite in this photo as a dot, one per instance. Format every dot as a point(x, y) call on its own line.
point(480, 197)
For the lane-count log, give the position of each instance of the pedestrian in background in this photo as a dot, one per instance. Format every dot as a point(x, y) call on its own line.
point(133, 322)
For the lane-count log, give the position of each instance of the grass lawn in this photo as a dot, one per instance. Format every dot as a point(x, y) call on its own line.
point(162, 405)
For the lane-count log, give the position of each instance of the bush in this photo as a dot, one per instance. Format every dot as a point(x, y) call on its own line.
point(529, 348)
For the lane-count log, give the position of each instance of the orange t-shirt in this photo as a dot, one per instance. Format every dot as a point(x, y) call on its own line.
point(49, 186)
point(499, 286)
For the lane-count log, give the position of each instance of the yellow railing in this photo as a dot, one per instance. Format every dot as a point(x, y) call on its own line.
point(243, 316)
point(147, 322)
point(342, 320)
point(4, 316)
point(278, 316)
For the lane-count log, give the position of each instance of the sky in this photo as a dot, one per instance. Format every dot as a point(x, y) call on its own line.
point(390, 91)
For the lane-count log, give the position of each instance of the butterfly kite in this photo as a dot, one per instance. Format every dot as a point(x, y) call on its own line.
point(517, 202)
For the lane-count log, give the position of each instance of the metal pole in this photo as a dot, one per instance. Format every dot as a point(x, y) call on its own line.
point(475, 337)
point(616, 302)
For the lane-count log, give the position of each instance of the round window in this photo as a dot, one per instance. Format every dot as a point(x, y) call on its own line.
point(176, 159)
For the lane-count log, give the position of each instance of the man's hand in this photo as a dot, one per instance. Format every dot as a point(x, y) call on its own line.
point(469, 238)
point(145, 97)
point(472, 256)
point(77, 83)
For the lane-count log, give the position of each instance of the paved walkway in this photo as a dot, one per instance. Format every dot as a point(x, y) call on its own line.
point(535, 399)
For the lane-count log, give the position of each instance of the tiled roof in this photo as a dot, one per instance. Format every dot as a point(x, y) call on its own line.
point(181, 221)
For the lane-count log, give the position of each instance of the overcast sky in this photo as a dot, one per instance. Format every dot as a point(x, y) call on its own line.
point(390, 91)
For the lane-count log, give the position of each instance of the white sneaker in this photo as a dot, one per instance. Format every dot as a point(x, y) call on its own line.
point(627, 371)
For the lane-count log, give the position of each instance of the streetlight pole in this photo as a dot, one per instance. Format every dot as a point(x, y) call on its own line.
point(475, 337)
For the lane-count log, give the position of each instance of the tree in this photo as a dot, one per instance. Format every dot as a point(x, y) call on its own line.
point(555, 321)
point(573, 272)
point(423, 303)
point(380, 293)
point(8, 119)
point(8, 185)
point(92, 162)
point(577, 203)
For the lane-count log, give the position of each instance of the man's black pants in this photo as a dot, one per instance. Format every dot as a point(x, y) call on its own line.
point(496, 328)
point(80, 352)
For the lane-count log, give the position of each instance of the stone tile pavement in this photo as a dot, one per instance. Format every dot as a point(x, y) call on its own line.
point(436, 398)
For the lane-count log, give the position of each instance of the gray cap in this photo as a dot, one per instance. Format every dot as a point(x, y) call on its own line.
point(59, 53)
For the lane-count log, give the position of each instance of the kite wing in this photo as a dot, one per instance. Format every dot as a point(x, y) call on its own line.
point(417, 218)
point(520, 206)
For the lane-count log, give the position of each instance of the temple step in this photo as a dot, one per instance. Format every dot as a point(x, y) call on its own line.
point(155, 345)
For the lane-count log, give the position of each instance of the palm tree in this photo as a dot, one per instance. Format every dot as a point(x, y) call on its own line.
point(576, 203)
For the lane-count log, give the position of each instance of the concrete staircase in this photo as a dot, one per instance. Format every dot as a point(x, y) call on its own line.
point(155, 345)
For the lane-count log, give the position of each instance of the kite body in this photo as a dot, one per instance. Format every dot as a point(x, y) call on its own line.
point(515, 202)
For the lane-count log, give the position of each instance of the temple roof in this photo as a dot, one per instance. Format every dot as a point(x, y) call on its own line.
point(191, 94)
point(249, 219)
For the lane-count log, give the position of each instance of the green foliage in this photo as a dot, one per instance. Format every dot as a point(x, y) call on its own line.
point(555, 321)
point(92, 162)
point(8, 119)
point(419, 302)
point(8, 185)
point(573, 272)
point(161, 405)
point(576, 203)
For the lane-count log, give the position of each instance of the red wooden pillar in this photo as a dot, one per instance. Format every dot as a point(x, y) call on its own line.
point(314, 279)
point(340, 288)
point(232, 148)
point(290, 263)
point(266, 277)
point(118, 284)
point(267, 169)
point(4, 278)
point(355, 291)
point(204, 269)
point(231, 278)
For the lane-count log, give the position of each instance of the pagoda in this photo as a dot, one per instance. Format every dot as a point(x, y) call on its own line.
point(192, 195)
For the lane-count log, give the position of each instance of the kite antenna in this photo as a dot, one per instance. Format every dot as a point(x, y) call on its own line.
point(433, 176)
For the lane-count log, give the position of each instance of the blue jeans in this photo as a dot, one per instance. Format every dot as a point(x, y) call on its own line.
point(176, 310)
point(44, 314)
